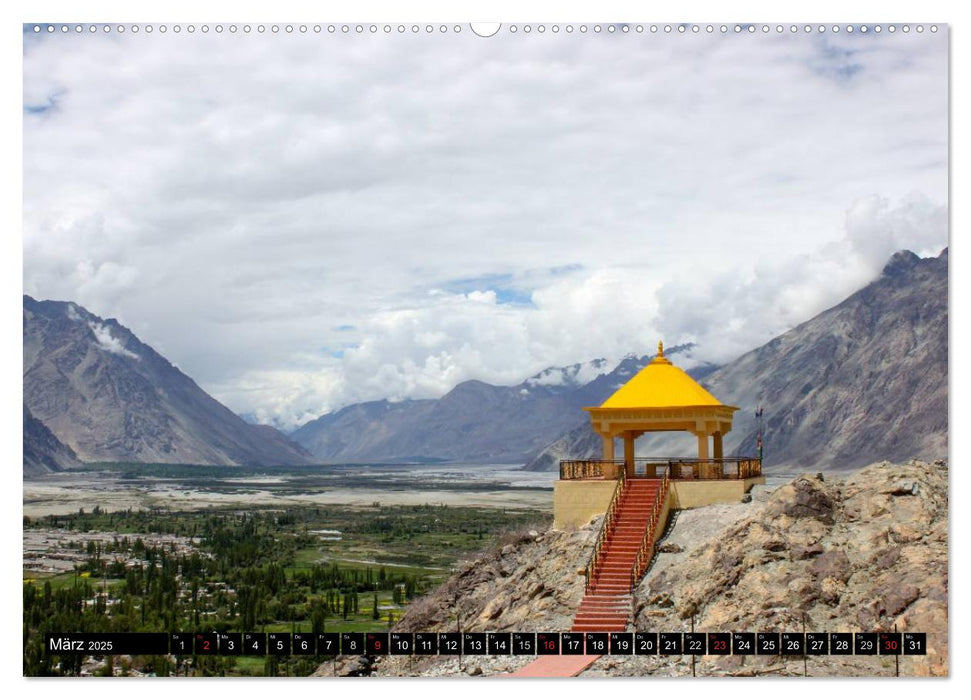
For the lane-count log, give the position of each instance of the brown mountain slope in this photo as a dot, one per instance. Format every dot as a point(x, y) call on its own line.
point(110, 397)
point(43, 452)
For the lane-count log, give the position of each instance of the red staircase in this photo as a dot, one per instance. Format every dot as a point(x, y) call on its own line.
point(607, 603)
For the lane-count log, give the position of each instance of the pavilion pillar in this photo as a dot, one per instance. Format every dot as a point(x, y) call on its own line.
point(608, 447)
point(718, 468)
point(702, 445)
point(629, 451)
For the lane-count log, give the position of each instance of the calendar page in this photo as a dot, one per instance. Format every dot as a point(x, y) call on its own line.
point(530, 349)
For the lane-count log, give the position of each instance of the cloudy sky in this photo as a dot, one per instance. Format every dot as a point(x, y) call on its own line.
point(307, 220)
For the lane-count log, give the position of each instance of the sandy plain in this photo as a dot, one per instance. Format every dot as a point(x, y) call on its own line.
point(478, 486)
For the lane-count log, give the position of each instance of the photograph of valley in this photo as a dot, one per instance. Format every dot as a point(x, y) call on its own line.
point(606, 333)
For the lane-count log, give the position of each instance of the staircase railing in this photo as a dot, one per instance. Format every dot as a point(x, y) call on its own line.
point(645, 553)
point(605, 528)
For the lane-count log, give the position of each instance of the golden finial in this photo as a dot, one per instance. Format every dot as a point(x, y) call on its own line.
point(660, 349)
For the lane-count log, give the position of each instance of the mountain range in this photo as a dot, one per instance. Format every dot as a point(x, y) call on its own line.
point(863, 381)
point(107, 396)
point(475, 421)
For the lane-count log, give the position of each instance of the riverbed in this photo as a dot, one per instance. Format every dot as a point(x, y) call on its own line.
point(492, 486)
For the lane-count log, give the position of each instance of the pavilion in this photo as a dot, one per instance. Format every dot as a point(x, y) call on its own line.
point(660, 397)
point(636, 496)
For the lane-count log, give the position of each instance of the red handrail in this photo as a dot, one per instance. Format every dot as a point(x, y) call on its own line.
point(605, 527)
point(645, 553)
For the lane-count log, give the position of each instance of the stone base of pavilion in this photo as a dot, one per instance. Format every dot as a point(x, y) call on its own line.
point(586, 487)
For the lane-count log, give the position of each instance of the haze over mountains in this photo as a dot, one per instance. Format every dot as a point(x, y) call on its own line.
point(475, 422)
point(110, 397)
point(863, 381)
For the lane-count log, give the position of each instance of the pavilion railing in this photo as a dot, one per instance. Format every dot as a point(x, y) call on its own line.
point(586, 468)
point(676, 468)
point(605, 528)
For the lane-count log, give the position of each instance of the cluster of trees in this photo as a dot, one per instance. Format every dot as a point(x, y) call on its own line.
point(242, 578)
point(147, 601)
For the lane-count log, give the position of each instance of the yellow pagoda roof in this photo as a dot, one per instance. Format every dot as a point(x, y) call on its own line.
point(660, 385)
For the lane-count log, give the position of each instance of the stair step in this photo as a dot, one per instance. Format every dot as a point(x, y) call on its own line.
point(598, 629)
point(613, 572)
point(605, 606)
point(619, 621)
point(584, 615)
point(612, 586)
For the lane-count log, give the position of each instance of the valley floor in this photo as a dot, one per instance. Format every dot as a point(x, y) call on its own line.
point(176, 488)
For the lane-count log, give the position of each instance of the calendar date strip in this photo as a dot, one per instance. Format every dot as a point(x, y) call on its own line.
point(489, 643)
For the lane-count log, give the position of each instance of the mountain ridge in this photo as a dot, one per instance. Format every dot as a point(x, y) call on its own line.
point(474, 421)
point(43, 452)
point(861, 381)
point(111, 397)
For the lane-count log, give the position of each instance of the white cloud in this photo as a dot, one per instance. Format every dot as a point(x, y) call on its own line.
point(304, 221)
point(736, 310)
point(106, 341)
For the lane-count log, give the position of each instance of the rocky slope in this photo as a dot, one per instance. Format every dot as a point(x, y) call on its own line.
point(862, 553)
point(475, 422)
point(110, 397)
point(43, 452)
point(863, 381)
